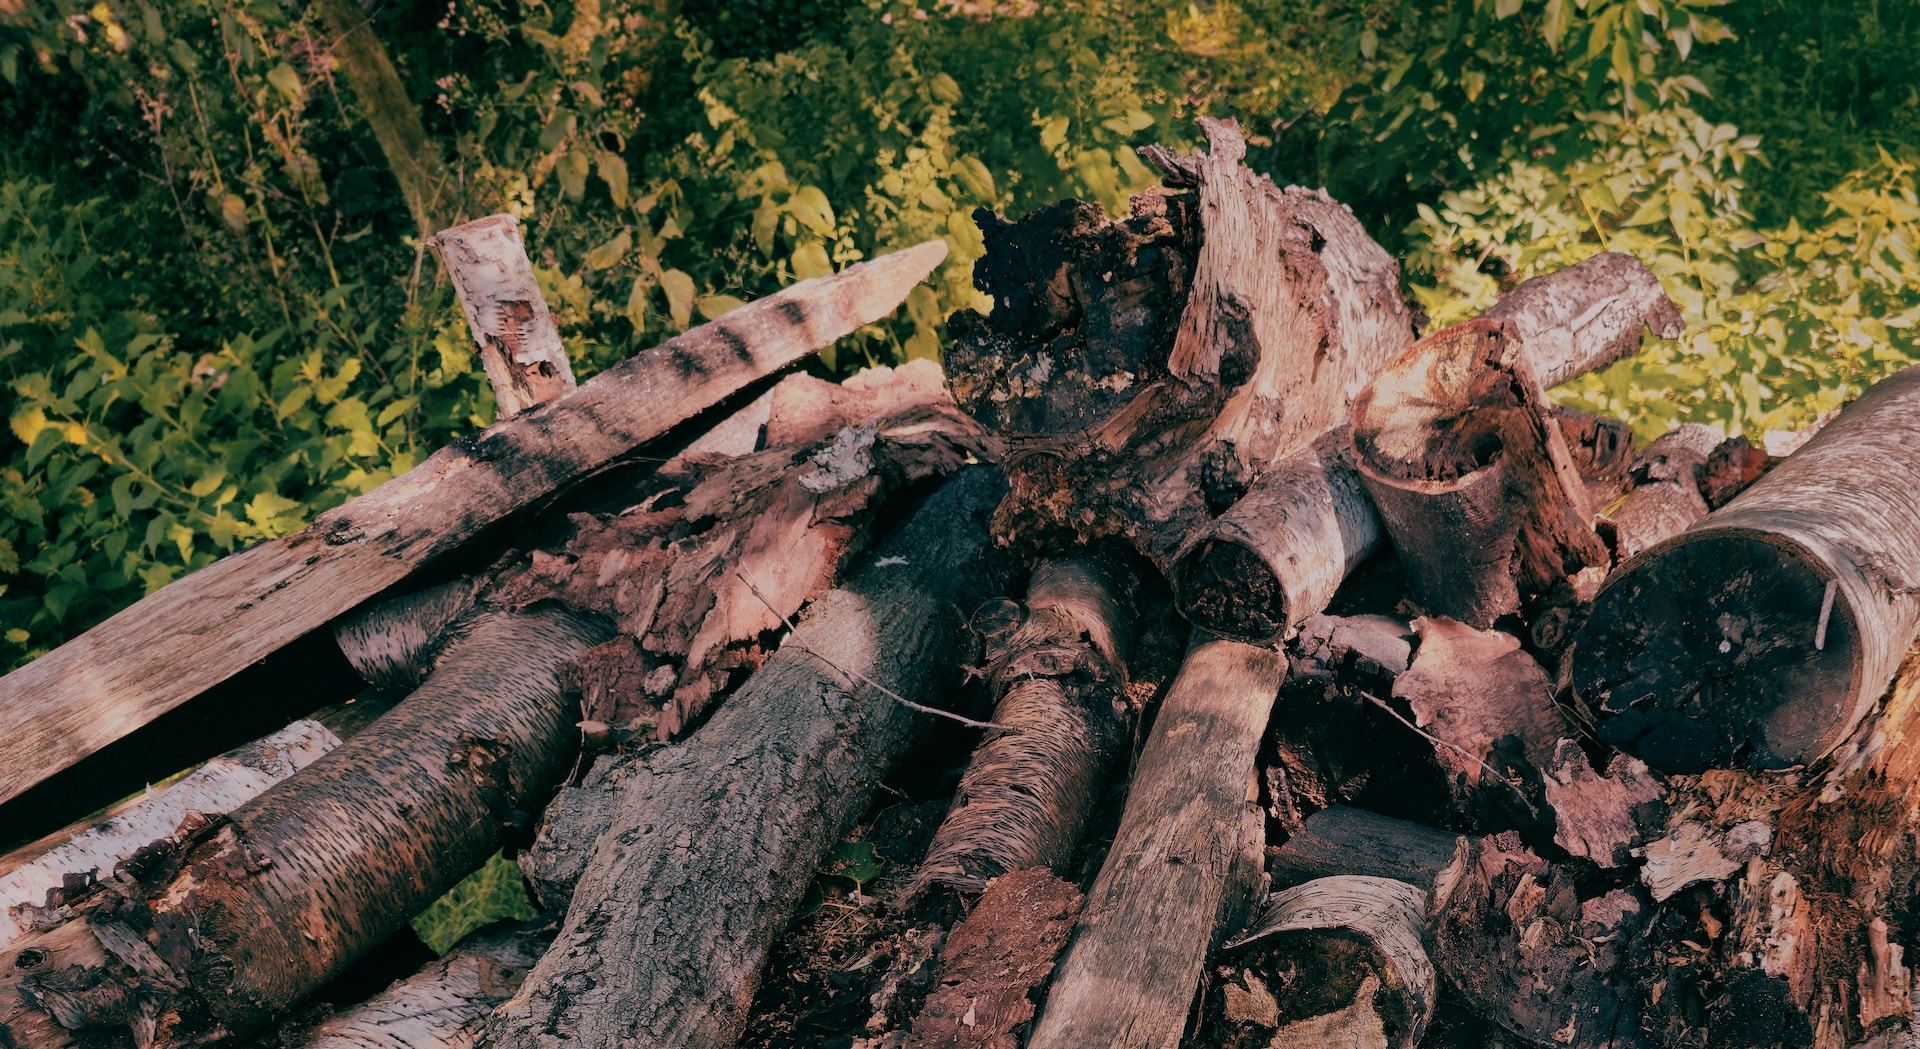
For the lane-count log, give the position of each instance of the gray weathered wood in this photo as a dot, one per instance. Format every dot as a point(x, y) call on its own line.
point(704, 862)
point(1346, 840)
point(201, 630)
point(1134, 965)
point(1762, 634)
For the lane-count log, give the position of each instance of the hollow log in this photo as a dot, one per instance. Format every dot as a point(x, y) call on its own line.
point(519, 345)
point(1666, 497)
point(1761, 635)
point(1059, 678)
point(1346, 840)
point(131, 669)
point(210, 931)
point(673, 947)
point(1457, 445)
point(1176, 869)
point(1337, 961)
point(446, 1004)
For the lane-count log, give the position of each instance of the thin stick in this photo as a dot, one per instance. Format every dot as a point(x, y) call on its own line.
point(1450, 745)
point(852, 675)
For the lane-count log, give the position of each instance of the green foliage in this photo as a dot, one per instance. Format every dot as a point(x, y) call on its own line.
point(495, 892)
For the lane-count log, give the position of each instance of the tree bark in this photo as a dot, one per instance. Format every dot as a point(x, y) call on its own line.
point(1457, 445)
point(519, 345)
point(701, 868)
point(1346, 840)
point(211, 931)
point(384, 104)
point(994, 961)
point(446, 1004)
point(1761, 635)
point(1176, 869)
point(1348, 956)
point(1059, 678)
point(132, 668)
point(1665, 498)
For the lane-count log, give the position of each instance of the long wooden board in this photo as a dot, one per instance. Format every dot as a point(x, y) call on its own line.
point(204, 628)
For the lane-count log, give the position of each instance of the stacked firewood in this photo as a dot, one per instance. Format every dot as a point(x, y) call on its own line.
point(1326, 683)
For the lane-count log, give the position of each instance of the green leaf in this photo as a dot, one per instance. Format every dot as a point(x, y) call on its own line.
point(266, 507)
point(1623, 60)
point(946, 89)
point(810, 207)
point(613, 171)
point(679, 289)
point(1554, 25)
point(287, 82)
point(610, 252)
point(810, 260)
point(207, 483)
point(713, 307)
point(1053, 132)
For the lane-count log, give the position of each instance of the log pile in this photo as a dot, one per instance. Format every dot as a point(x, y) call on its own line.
point(1209, 655)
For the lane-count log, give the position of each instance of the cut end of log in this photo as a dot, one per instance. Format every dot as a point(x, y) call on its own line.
point(1228, 588)
point(1722, 647)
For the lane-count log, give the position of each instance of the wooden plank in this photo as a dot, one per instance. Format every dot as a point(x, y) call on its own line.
point(201, 630)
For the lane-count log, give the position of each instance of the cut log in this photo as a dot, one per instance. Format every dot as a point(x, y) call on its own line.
point(38, 879)
point(1666, 498)
point(131, 668)
point(446, 1004)
point(212, 930)
point(1338, 961)
point(673, 948)
point(1121, 423)
point(1458, 447)
point(1761, 635)
point(994, 962)
point(1175, 871)
point(519, 345)
point(1060, 680)
point(1346, 840)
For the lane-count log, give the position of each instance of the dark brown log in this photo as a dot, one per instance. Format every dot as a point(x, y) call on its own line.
point(1338, 961)
point(519, 345)
point(1602, 451)
point(1734, 464)
point(673, 917)
point(1176, 870)
point(993, 963)
point(1347, 840)
point(1456, 442)
point(1761, 635)
point(1666, 497)
point(1121, 423)
point(212, 930)
point(132, 668)
point(1060, 681)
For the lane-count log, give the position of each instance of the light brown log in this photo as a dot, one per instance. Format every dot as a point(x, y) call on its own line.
point(673, 917)
point(519, 345)
point(1337, 961)
point(214, 929)
point(446, 1004)
point(1135, 963)
point(1348, 840)
point(1456, 442)
point(1059, 678)
point(136, 666)
point(1761, 635)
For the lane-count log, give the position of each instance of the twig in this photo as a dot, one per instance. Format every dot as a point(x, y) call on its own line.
point(854, 675)
point(1450, 745)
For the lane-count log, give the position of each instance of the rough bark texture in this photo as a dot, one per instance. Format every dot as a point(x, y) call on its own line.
point(519, 345)
point(1761, 635)
point(1338, 961)
point(1666, 495)
point(1473, 477)
point(213, 929)
point(36, 881)
point(994, 964)
point(1058, 673)
point(444, 1005)
point(1347, 840)
point(1122, 423)
point(672, 919)
point(703, 570)
point(1177, 866)
point(131, 668)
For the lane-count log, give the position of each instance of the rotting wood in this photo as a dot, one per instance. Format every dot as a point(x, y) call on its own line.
point(1666, 495)
point(211, 931)
point(1761, 635)
point(1337, 961)
point(446, 1004)
point(37, 880)
point(1138, 954)
point(673, 949)
point(1348, 840)
point(520, 347)
point(994, 962)
point(1458, 447)
point(1059, 678)
point(129, 670)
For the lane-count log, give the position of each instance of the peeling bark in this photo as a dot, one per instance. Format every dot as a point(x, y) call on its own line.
point(519, 345)
point(994, 964)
